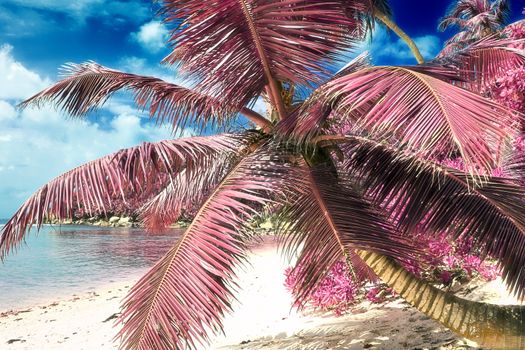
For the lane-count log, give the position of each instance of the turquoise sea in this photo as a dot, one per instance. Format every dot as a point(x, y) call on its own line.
point(60, 261)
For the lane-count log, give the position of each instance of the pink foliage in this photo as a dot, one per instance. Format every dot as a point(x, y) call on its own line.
point(509, 89)
point(458, 164)
point(335, 293)
point(449, 261)
point(515, 30)
point(379, 294)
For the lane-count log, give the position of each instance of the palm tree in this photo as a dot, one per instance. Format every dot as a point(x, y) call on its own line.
point(475, 19)
point(353, 195)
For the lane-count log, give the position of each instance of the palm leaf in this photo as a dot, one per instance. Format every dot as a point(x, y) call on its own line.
point(415, 191)
point(502, 10)
point(185, 295)
point(184, 191)
point(327, 221)
point(93, 185)
point(290, 124)
point(429, 114)
point(382, 6)
point(87, 86)
point(454, 45)
point(238, 47)
point(482, 62)
point(368, 12)
point(476, 15)
point(363, 60)
point(449, 21)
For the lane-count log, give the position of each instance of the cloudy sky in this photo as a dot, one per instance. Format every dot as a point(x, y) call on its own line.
point(37, 36)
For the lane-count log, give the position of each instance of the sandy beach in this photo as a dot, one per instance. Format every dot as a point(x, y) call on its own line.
point(263, 320)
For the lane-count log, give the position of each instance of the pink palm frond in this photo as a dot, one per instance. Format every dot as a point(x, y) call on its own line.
point(184, 296)
point(363, 60)
point(416, 108)
point(361, 272)
point(184, 192)
point(380, 5)
point(422, 193)
point(482, 62)
point(236, 47)
point(87, 86)
point(93, 185)
point(501, 10)
point(328, 222)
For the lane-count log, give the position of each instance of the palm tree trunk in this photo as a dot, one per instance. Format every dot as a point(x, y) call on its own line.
point(495, 326)
point(394, 27)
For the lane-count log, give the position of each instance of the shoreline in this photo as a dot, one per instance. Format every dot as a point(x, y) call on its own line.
point(108, 222)
point(83, 321)
point(263, 319)
point(73, 295)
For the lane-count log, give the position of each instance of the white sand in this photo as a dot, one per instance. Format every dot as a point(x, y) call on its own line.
point(263, 321)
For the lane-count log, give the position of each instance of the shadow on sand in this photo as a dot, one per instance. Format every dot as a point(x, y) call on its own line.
point(397, 326)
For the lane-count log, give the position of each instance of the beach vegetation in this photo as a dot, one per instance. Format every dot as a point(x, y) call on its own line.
point(353, 161)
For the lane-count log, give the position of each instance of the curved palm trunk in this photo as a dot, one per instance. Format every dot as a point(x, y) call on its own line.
point(395, 28)
point(495, 326)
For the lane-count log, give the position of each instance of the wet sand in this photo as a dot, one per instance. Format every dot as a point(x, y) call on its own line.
point(263, 319)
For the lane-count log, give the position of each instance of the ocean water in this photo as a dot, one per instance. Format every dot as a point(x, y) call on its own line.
point(61, 261)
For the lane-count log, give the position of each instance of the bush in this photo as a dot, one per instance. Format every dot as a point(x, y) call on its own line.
point(448, 263)
point(336, 292)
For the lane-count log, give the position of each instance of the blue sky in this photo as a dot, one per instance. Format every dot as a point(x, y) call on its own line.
point(37, 36)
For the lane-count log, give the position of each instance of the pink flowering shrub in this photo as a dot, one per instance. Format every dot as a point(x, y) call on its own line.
point(509, 89)
point(448, 262)
point(515, 30)
point(379, 294)
point(335, 293)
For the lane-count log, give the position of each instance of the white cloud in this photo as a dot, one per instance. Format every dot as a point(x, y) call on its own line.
point(6, 138)
point(81, 9)
point(385, 45)
point(261, 107)
point(152, 36)
point(7, 112)
point(139, 65)
point(26, 17)
point(56, 5)
point(37, 145)
point(17, 82)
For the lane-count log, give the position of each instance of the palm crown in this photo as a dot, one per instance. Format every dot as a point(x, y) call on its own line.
point(475, 19)
point(351, 162)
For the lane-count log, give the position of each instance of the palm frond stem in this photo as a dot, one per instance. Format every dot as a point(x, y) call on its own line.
point(275, 95)
point(257, 119)
point(346, 251)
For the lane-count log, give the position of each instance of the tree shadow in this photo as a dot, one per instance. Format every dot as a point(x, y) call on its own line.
point(393, 326)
